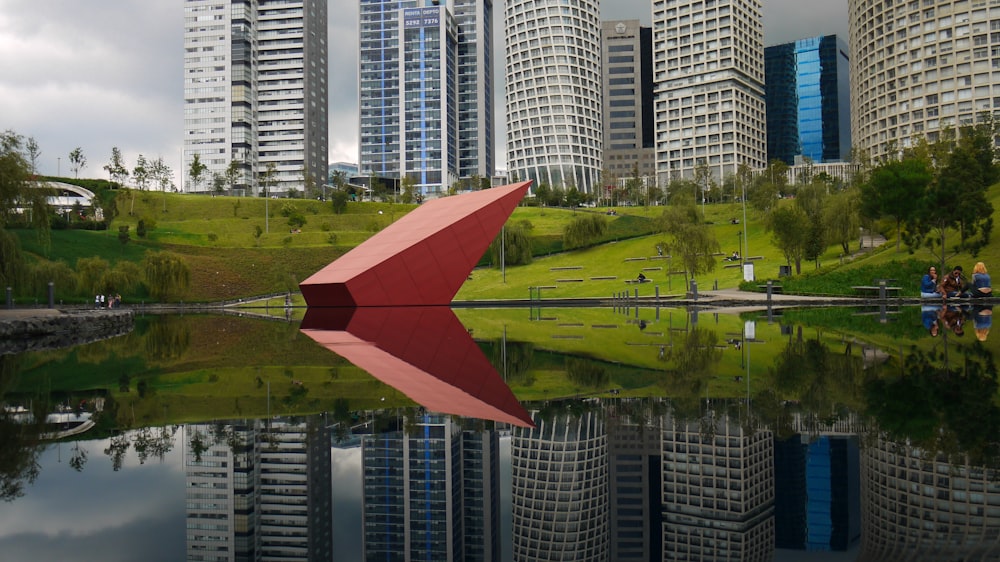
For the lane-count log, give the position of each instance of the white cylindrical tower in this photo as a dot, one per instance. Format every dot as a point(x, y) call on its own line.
point(553, 78)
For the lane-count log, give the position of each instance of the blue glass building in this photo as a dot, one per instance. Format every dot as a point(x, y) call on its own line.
point(817, 504)
point(426, 91)
point(808, 100)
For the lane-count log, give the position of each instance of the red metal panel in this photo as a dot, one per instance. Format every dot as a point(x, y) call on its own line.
point(424, 352)
point(450, 234)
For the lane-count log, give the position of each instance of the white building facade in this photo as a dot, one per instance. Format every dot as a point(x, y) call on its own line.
point(708, 71)
point(919, 68)
point(255, 93)
point(553, 81)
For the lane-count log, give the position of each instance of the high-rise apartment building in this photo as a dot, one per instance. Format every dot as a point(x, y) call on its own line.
point(259, 490)
point(918, 68)
point(426, 91)
point(808, 100)
point(255, 93)
point(627, 60)
point(708, 70)
point(553, 79)
point(431, 492)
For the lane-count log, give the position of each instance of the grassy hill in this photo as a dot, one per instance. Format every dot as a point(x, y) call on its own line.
point(218, 239)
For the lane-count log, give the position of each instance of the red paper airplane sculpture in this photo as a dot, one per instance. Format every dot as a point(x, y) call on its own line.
point(421, 259)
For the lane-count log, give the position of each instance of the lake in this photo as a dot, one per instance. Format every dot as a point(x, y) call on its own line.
point(509, 434)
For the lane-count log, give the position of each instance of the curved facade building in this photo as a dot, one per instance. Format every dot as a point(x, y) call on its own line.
point(560, 489)
point(553, 78)
point(918, 68)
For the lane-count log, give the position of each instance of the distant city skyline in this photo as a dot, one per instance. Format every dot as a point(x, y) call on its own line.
point(100, 75)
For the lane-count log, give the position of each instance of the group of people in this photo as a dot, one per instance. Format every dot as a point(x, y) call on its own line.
point(107, 301)
point(954, 285)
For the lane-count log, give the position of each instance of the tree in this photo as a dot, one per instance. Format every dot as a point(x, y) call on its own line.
point(768, 187)
point(791, 228)
point(895, 189)
point(34, 152)
point(338, 200)
point(17, 192)
point(840, 218)
point(516, 240)
point(77, 161)
point(691, 240)
point(165, 275)
point(584, 230)
point(123, 235)
point(116, 168)
point(218, 183)
point(197, 171)
point(407, 185)
point(682, 192)
point(232, 173)
point(811, 198)
point(140, 174)
point(956, 199)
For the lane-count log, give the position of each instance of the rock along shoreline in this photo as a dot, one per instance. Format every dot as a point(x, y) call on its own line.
point(36, 329)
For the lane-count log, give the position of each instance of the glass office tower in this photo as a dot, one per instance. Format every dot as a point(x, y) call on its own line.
point(808, 100)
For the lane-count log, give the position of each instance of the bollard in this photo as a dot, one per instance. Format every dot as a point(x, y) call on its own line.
point(694, 289)
point(881, 289)
point(657, 293)
point(715, 286)
point(770, 290)
point(10, 297)
point(52, 294)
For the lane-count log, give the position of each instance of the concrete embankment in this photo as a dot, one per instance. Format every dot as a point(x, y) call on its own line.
point(34, 329)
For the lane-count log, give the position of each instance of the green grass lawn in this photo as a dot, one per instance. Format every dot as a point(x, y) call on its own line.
point(216, 237)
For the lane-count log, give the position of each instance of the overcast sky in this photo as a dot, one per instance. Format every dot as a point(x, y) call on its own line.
point(101, 74)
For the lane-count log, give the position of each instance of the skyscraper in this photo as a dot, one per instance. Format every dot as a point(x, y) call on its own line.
point(255, 94)
point(431, 491)
point(627, 60)
point(708, 59)
point(808, 100)
point(919, 68)
point(553, 79)
point(426, 91)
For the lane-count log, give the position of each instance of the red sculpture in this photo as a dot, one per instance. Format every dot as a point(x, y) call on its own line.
point(421, 259)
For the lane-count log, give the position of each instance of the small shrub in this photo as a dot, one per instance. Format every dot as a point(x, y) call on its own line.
point(325, 227)
point(332, 238)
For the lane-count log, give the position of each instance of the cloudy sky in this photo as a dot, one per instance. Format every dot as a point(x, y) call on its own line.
point(96, 75)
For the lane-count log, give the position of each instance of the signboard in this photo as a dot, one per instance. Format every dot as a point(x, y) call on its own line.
point(421, 17)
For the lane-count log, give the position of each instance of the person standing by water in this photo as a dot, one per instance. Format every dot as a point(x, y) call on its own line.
point(929, 284)
point(981, 286)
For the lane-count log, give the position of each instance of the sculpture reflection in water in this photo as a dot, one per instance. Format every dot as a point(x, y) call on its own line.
point(422, 351)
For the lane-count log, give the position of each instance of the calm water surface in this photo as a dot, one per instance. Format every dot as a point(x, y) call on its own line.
point(543, 434)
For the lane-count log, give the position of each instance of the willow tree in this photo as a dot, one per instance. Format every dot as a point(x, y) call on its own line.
point(166, 275)
point(690, 240)
point(17, 195)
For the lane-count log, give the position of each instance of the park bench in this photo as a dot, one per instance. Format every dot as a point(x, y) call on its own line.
point(569, 280)
point(565, 268)
point(876, 290)
point(604, 278)
point(637, 281)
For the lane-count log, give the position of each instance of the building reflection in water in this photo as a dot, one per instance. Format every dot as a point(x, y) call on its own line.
point(258, 491)
point(601, 480)
point(431, 491)
point(920, 506)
